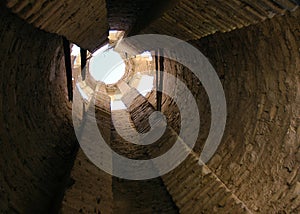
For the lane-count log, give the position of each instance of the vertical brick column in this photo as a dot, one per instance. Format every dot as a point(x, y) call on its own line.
point(194, 188)
point(147, 196)
point(37, 140)
point(91, 188)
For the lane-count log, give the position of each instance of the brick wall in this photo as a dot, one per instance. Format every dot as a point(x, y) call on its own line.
point(90, 189)
point(259, 156)
point(37, 141)
point(258, 159)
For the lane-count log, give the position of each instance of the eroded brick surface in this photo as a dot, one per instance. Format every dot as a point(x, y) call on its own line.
point(37, 139)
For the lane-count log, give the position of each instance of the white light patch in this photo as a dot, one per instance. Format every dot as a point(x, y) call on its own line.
point(115, 74)
point(145, 85)
point(82, 93)
point(107, 65)
point(117, 105)
point(113, 31)
point(147, 54)
point(75, 50)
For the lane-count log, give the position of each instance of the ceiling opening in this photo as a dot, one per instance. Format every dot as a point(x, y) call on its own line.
point(107, 65)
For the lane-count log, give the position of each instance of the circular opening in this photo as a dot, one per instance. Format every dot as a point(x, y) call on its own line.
point(107, 65)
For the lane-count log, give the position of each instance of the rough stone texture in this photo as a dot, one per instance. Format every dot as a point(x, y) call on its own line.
point(193, 187)
point(140, 110)
point(135, 197)
point(91, 188)
point(259, 156)
point(195, 19)
point(125, 14)
point(37, 143)
point(119, 144)
point(256, 168)
point(169, 107)
point(258, 159)
point(149, 196)
point(85, 24)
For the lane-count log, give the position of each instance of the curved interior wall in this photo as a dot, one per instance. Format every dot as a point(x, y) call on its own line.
point(37, 143)
point(259, 156)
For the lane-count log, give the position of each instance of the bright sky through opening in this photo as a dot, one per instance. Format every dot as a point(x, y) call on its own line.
point(107, 65)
